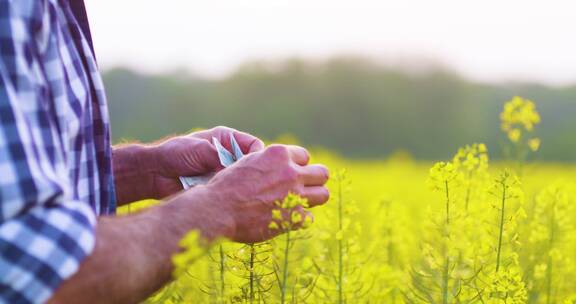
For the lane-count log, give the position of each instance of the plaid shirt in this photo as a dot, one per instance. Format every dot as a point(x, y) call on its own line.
point(55, 153)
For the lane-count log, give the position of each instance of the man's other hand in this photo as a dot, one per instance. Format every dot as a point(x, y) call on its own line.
point(244, 193)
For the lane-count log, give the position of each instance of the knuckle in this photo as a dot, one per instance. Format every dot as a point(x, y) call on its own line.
point(277, 151)
point(204, 146)
point(299, 190)
point(187, 140)
point(290, 174)
point(180, 143)
point(179, 140)
point(251, 158)
point(200, 142)
point(221, 129)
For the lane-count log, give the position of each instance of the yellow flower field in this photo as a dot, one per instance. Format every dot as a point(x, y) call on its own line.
point(463, 230)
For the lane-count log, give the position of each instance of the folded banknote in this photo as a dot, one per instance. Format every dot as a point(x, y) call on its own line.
point(226, 158)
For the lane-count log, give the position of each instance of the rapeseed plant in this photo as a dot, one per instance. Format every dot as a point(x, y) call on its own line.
point(508, 199)
point(550, 229)
point(340, 264)
point(186, 285)
point(445, 272)
point(472, 162)
point(518, 119)
point(215, 287)
point(475, 243)
point(390, 255)
point(502, 277)
point(570, 299)
point(443, 176)
point(287, 217)
point(251, 264)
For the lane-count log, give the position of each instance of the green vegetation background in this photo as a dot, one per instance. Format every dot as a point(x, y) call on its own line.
point(352, 105)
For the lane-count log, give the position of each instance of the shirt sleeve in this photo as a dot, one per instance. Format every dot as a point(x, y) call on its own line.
point(44, 233)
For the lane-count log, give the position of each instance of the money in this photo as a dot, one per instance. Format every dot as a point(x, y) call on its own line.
point(235, 148)
point(226, 158)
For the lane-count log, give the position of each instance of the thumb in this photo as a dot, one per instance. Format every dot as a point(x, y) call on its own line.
point(194, 157)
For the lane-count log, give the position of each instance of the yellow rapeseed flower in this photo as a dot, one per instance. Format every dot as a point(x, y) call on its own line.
point(296, 217)
point(482, 148)
point(273, 226)
point(519, 116)
point(441, 174)
point(519, 112)
point(514, 135)
point(534, 144)
point(277, 214)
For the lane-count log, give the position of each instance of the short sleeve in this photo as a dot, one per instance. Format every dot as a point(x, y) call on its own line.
point(44, 233)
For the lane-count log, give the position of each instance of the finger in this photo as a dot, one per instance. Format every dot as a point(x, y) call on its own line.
point(248, 143)
point(220, 133)
point(204, 134)
point(187, 156)
point(313, 175)
point(199, 157)
point(316, 195)
point(298, 155)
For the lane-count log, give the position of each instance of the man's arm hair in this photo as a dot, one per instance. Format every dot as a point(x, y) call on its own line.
point(132, 178)
point(132, 257)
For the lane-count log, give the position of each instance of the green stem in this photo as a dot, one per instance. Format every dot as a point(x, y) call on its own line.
point(222, 282)
point(549, 262)
point(388, 236)
point(501, 226)
point(549, 280)
point(340, 247)
point(447, 203)
point(468, 190)
point(445, 280)
point(447, 258)
point(285, 270)
point(252, 256)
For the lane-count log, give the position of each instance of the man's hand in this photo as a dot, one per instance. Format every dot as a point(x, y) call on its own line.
point(143, 172)
point(193, 155)
point(245, 192)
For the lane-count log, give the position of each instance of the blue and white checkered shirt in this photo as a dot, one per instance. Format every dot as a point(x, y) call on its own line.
point(55, 153)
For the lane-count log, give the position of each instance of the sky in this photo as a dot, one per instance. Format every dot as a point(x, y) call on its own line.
point(488, 40)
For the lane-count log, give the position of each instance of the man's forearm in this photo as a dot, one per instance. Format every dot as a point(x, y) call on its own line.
point(132, 257)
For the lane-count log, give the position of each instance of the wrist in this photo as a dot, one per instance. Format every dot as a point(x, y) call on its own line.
point(202, 209)
point(134, 169)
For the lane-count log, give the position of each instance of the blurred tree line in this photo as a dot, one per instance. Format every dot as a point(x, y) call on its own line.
point(353, 105)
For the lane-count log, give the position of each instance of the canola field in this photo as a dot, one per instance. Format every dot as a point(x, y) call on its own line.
point(463, 230)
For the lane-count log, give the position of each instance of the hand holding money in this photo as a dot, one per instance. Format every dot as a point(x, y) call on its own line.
point(225, 157)
point(154, 171)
